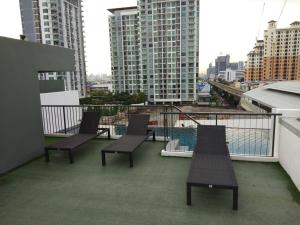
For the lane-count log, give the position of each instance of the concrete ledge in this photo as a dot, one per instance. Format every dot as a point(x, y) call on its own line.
point(254, 158)
point(176, 154)
point(113, 137)
point(233, 157)
point(292, 124)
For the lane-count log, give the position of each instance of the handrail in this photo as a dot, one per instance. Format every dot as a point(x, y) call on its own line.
point(223, 113)
point(181, 112)
point(87, 105)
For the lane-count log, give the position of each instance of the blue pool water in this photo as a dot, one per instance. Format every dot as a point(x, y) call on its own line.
point(254, 142)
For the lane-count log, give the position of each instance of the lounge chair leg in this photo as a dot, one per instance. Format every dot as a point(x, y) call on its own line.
point(103, 158)
point(188, 194)
point(130, 160)
point(47, 155)
point(71, 156)
point(235, 199)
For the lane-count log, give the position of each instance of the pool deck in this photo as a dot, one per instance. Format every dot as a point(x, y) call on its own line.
point(152, 192)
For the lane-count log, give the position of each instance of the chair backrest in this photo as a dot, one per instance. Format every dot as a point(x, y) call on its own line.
point(89, 123)
point(211, 139)
point(138, 124)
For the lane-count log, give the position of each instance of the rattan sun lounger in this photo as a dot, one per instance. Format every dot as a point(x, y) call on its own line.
point(88, 130)
point(211, 165)
point(137, 133)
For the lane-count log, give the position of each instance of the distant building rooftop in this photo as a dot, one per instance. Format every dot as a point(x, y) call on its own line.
point(282, 95)
point(121, 8)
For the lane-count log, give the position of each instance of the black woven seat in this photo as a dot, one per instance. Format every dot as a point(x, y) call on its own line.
point(127, 143)
point(211, 165)
point(88, 130)
point(211, 140)
point(137, 133)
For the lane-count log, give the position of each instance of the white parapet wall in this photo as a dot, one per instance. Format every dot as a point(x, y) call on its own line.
point(188, 154)
point(289, 148)
point(60, 98)
point(56, 115)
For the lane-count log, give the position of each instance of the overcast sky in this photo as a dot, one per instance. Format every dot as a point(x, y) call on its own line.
point(226, 27)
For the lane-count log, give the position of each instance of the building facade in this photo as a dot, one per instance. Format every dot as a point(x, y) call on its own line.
point(280, 55)
point(210, 72)
point(231, 75)
point(236, 65)
point(221, 63)
point(57, 22)
point(254, 64)
point(125, 50)
point(164, 50)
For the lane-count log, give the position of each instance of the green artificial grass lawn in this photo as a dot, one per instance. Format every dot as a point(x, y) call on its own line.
point(152, 192)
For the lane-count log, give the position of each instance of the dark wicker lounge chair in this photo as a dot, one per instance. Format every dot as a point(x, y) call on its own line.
point(137, 133)
point(88, 130)
point(211, 164)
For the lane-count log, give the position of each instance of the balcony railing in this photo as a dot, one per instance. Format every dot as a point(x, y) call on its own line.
point(65, 119)
point(248, 134)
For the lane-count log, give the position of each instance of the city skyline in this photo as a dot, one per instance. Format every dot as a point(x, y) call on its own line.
point(230, 28)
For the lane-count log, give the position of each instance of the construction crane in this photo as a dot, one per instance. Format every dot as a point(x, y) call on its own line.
point(282, 10)
point(260, 21)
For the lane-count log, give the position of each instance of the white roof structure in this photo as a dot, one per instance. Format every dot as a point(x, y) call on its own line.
point(281, 95)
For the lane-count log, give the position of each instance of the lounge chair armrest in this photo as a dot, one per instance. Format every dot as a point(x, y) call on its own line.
point(153, 133)
point(104, 130)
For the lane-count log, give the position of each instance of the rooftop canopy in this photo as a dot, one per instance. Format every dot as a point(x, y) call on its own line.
point(282, 95)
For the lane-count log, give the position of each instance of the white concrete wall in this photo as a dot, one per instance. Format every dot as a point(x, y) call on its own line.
point(286, 113)
point(289, 153)
point(53, 117)
point(60, 98)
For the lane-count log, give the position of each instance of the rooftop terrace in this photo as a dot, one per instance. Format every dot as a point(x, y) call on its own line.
point(152, 192)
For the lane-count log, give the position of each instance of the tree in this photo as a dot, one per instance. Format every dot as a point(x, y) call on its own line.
point(105, 97)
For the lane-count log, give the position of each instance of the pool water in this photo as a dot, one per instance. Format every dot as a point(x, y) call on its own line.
point(252, 142)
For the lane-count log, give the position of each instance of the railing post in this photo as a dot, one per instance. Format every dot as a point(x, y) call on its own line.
point(165, 138)
point(128, 113)
point(64, 116)
point(273, 136)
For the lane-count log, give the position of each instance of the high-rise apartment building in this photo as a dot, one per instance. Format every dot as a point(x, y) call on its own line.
point(210, 72)
point(279, 55)
point(160, 52)
point(125, 50)
point(254, 64)
point(221, 63)
point(57, 22)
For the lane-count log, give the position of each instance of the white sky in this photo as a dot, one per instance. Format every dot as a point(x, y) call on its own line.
point(226, 26)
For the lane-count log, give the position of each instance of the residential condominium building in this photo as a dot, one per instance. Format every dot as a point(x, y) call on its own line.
point(279, 55)
point(125, 50)
point(155, 49)
point(254, 64)
point(57, 22)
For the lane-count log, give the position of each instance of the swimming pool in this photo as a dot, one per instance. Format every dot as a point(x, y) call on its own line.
point(252, 142)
